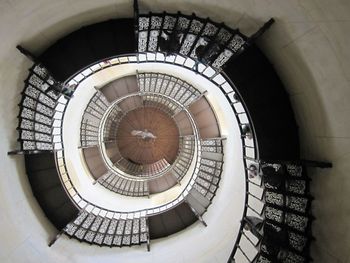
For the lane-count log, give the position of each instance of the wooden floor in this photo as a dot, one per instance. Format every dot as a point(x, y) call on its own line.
point(148, 150)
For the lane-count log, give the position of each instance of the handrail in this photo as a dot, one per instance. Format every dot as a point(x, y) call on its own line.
point(76, 196)
point(218, 78)
point(214, 78)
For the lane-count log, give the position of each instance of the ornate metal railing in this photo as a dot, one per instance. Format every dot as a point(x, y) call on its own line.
point(189, 32)
point(248, 138)
point(218, 79)
point(59, 151)
point(37, 110)
point(173, 106)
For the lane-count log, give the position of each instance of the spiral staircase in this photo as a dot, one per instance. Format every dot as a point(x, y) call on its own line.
point(148, 133)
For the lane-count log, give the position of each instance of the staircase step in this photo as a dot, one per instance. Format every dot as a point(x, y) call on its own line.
point(39, 162)
point(171, 221)
point(44, 180)
point(205, 118)
point(162, 184)
point(87, 45)
point(105, 231)
point(197, 201)
point(269, 105)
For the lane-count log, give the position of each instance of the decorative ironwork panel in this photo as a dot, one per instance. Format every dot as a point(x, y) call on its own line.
point(89, 220)
point(28, 145)
point(80, 233)
point(294, 170)
point(44, 146)
point(223, 36)
point(182, 23)
point(210, 30)
point(42, 137)
point(47, 100)
point(236, 43)
point(274, 198)
point(29, 103)
point(70, 229)
point(156, 22)
point(81, 218)
point(99, 238)
point(222, 59)
point(297, 221)
point(143, 23)
point(187, 44)
point(211, 145)
point(96, 223)
point(297, 241)
point(31, 92)
point(169, 22)
point(27, 124)
point(126, 240)
point(43, 119)
point(117, 240)
point(108, 240)
point(27, 135)
point(293, 258)
point(297, 203)
point(296, 186)
point(274, 214)
point(89, 236)
point(142, 43)
point(41, 71)
point(112, 227)
point(196, 26)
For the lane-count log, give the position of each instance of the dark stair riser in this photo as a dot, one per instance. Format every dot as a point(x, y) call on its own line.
point(268, 104)
point(170, 222)
point(88, 45)
point(48, 190)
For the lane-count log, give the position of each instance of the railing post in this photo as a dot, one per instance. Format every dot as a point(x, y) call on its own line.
point(200, 218)
point(52, 241)
point(15, 152)
point(27, 53)
point(318, 164)
point(148, 243)
point(261, 31)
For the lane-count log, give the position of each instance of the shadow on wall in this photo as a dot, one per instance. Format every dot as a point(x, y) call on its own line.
point(294, 71)
point(328, 185)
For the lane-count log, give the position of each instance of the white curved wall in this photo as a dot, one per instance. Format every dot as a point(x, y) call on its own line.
point(309, 47)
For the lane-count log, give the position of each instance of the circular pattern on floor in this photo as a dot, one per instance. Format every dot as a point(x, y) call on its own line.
point(147, 135)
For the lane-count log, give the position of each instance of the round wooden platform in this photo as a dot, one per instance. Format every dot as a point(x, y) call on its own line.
point(147, 135)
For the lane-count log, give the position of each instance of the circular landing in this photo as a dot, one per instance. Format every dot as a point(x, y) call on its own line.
point(147, 135)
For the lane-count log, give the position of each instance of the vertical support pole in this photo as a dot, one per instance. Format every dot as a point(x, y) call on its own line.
point(27, 53)
point(55, 238)
point(136, 25)
point(261, 31)
point(200, 218)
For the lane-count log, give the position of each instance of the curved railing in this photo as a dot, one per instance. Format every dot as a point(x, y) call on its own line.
point(36, 126)
point(111, 166)
point(219, 79)
point(249, 146)
point(59, 150)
